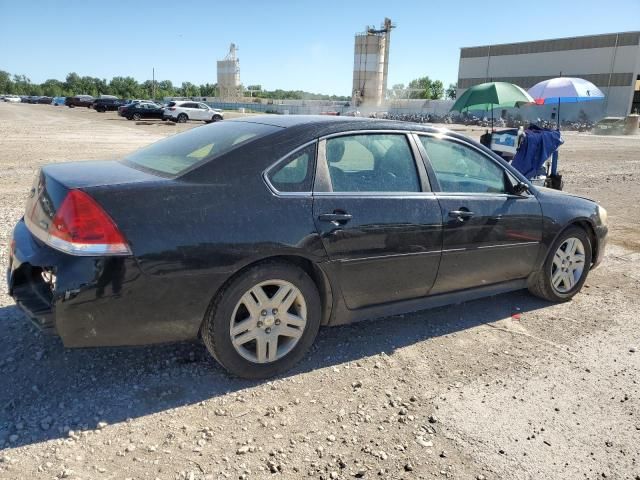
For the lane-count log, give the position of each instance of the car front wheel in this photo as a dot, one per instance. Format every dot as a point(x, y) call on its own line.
point(264, 321)
point(566, 267)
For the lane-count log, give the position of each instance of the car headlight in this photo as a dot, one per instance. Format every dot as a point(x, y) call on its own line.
point(602, 215)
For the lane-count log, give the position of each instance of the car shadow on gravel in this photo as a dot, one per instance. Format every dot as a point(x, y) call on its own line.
point(48, 390)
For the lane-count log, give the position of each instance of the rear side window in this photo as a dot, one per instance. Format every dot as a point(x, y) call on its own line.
point(178, 153)
point(371, 163)
point(295, 173)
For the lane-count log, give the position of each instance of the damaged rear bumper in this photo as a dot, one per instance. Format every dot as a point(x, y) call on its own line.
point(101, 301)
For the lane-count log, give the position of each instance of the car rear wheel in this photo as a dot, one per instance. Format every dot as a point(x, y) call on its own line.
point(566, 267)
point(136, 116)
point(264, 321)
point(182, 118)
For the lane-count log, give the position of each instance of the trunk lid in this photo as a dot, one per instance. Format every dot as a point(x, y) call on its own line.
point(53, 182)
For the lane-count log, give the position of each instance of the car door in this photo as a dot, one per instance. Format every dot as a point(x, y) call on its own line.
point(205, 112)
point(143, 109)
point(380, 224)
point(491, 235)
point(155, 111)
point(192, 110)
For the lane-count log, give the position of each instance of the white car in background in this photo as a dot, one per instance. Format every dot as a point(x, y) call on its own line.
point(12, 99)
point(182, 111)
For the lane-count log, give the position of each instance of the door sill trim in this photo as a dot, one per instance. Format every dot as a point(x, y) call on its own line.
point(345, 315)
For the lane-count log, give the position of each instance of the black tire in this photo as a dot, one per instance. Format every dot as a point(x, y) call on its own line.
point(136, 116)
point(182, 118)
point(216, 118)
point(217, 323)
point(540, 283)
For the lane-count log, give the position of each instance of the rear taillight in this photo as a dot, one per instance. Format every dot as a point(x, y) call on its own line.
point(81, 227)
point(172, 108)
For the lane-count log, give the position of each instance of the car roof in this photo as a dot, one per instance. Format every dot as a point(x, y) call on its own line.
point(327, 124)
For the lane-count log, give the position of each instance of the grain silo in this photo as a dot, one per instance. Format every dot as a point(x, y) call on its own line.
point(371, 64)
point(229, 75)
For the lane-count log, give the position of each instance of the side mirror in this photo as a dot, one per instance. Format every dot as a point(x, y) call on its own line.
point(520, 188)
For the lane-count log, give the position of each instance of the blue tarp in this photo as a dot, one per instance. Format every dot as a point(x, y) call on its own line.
point(537, 145)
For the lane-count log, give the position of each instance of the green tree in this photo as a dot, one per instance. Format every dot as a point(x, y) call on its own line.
point(165, 88)
point(209, 90)
point(52, 88)
point(420, 88)
point(452, 91)
point(72, 84)
point(125, 87)
point(6, 85)
point(188, 89)
point(436, 90)
point(397, 91)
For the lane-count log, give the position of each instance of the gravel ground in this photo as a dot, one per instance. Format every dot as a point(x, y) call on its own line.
point(508, 387)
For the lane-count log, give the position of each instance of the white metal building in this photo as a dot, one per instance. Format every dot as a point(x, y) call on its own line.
point(610, 61)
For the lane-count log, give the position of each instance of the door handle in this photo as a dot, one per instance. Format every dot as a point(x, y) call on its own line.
point(336, 218)
point(461, 214)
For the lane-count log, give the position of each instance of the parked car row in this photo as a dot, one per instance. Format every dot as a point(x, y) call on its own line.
point(10, 98)
point(176, 111)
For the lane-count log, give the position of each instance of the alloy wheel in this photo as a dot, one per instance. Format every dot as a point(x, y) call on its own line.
point(568, 265)
point(268, 321)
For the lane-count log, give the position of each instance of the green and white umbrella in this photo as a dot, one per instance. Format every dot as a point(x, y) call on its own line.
point(491, 95)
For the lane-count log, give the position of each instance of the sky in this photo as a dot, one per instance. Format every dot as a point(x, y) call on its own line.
point(292, 45)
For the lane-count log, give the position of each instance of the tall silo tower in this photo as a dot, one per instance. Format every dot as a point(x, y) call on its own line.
point(371, 65)
point(229, 75)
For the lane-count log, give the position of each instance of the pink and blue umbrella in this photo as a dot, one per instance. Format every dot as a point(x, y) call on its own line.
point(565, 90)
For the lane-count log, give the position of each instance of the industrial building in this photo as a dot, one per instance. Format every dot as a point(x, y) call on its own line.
point(229, 75)
point(610, 61)
point(371, 65)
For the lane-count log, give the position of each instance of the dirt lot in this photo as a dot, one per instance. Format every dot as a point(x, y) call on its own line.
point(465, 392)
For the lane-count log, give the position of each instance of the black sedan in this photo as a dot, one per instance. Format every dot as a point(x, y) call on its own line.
point(252, 233)
point(139, 110)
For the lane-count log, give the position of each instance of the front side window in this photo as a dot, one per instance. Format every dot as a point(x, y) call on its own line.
point(459, 168)
point(295, 173)
point(371, 163)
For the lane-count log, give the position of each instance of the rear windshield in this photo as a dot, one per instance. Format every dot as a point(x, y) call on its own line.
point(178, 153)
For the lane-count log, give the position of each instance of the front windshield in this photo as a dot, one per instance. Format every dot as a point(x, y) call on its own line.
point(178, 153)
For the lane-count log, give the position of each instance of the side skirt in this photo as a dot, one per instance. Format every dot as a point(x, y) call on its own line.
point(342, 315)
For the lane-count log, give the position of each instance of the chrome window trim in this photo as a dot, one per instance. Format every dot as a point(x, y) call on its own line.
point(273, 189)
point(376, 194)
